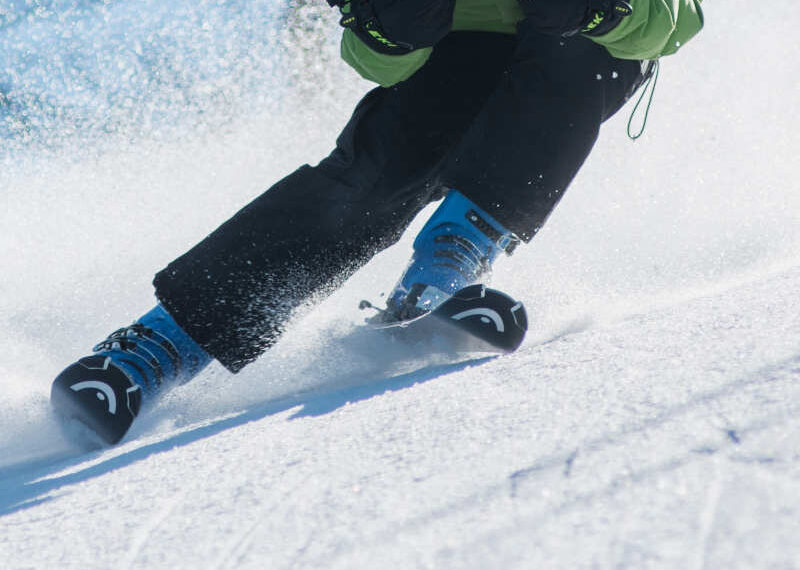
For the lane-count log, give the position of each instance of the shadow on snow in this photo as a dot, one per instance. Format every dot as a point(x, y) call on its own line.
point(31, 483)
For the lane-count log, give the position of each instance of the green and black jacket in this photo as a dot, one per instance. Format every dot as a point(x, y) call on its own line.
point(656, 28)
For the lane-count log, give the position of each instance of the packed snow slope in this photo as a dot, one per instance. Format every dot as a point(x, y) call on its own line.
point(650, 420)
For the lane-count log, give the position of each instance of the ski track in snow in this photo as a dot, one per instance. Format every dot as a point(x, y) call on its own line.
point(650, 420)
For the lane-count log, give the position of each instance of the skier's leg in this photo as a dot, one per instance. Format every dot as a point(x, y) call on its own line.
point(229, 297)
point(514, 163)
point(235, 290)
point(538, 127)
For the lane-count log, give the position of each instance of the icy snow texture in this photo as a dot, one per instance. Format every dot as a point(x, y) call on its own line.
point(649, 421)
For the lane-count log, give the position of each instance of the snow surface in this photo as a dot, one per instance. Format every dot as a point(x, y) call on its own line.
point(650, 420)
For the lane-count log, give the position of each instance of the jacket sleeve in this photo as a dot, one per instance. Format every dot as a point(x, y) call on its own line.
point(385, 70)
point(656, 28)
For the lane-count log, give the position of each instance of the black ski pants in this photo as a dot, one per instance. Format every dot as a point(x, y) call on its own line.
point(506, 120)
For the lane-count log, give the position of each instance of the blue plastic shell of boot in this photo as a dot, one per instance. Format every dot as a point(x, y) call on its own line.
point(451, 252)
point(193, 357)
point(163, 354)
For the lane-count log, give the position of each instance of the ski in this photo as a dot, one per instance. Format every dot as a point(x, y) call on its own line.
point(474, 319)
point(95, 402)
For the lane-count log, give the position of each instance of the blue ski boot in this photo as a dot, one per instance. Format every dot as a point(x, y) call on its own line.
point(455, 248)
point(104, 391)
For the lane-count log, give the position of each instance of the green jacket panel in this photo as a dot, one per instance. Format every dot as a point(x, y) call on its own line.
point(470, 15)
point(487, 16)
point(378, 67)
point(656, 28)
